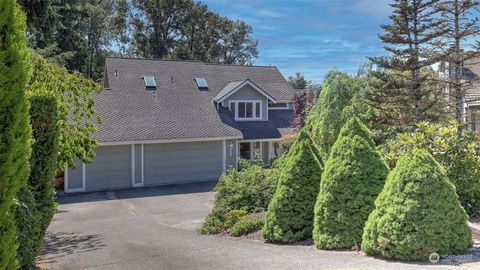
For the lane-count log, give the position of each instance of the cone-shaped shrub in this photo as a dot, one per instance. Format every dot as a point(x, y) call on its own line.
point(417, 213)
point(354, 175)
point(290, 212)
point(15, 131)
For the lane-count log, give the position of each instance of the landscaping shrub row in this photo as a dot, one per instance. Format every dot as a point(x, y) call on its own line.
point(417, 212)
point(351, 201)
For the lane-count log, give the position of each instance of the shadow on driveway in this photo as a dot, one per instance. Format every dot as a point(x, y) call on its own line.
point(151, 191)
point(60, 244)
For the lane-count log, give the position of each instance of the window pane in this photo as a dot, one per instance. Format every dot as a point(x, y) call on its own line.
point(241, 110)
point(257, 150)
point(257, 112)
point(245, 150)
point(249, 110)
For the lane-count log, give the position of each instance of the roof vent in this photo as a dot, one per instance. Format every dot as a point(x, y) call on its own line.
point(201, 83)
point(150, 82)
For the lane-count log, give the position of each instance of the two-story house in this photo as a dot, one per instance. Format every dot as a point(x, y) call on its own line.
point(166, 122)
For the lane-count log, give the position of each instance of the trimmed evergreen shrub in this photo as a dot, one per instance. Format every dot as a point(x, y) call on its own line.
point(454, 148)
point(327, 116)
point(290, 213)
point(233, 217)
point(354, 175)
point(29, 226)
point(15, 131)
point(43, 164)
point(247, 225)
point(417, 213)
point(249, 189)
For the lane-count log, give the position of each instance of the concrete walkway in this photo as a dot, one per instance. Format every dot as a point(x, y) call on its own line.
point(154, 228)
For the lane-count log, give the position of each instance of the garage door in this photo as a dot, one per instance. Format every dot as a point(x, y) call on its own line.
point(169, 163)
point(109, 169)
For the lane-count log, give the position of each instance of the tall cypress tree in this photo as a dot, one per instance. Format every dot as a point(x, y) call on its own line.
point(15, 131)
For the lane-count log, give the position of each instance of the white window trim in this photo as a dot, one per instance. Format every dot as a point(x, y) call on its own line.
point(254, 109)
point(280, 108)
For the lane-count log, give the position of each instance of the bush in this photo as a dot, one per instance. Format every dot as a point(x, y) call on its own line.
point(326, 118)
point(456, 150)
point(43, 164)
point(233, 217)
point(290, 213)
point(29, 228)
point(354, 175)
point(247, 225)
point(15, 132)
point(417, 213)
point(249, 189)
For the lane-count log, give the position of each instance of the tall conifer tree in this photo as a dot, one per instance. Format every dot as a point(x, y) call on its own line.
point(408, 93)
point(15, 131)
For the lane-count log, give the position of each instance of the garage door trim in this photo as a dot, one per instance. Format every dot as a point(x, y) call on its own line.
point(68, 190)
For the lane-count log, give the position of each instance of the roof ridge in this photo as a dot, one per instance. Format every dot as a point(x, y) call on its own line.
point(187, 61)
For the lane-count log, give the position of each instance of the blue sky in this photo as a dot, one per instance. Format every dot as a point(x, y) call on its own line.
point(311, 36)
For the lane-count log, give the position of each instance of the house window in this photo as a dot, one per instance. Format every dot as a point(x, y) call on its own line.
point(246, 150)
point(250, 150)
point(278, 106)
point(246, 110)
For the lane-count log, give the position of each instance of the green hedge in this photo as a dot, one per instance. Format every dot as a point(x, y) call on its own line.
point(15, 132)
point(43, 164)
point(290, 213)
point(249, 190)
point(417, 213)
point(354, 175)
point(28, 228)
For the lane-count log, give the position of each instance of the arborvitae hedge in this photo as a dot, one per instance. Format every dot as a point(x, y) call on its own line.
point(327, 117)
point(43, 164)
point(15, 129)
point(290, 213)
point(417, 213)
point(354, 175)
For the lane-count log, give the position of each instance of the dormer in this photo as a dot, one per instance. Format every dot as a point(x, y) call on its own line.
point(246, 100)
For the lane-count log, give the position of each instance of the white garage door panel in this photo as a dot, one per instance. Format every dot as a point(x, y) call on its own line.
point(109, 169)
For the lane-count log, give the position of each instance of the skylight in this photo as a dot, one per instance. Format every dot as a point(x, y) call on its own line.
point(150, 82)
point(202, 83)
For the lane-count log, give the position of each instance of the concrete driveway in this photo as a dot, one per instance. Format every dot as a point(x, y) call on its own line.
point(154, 228)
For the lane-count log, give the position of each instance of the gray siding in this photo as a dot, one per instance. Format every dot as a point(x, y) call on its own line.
point(168, 163)
point(138, 163)
point(111, 168)
point(248, 93)
point(75, 180)
point(231, 155)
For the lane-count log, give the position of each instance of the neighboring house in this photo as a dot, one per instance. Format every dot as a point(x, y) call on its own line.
point(166, 122)
point(470, 105)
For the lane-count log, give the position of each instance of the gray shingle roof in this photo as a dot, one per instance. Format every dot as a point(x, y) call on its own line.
point(180, 110)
